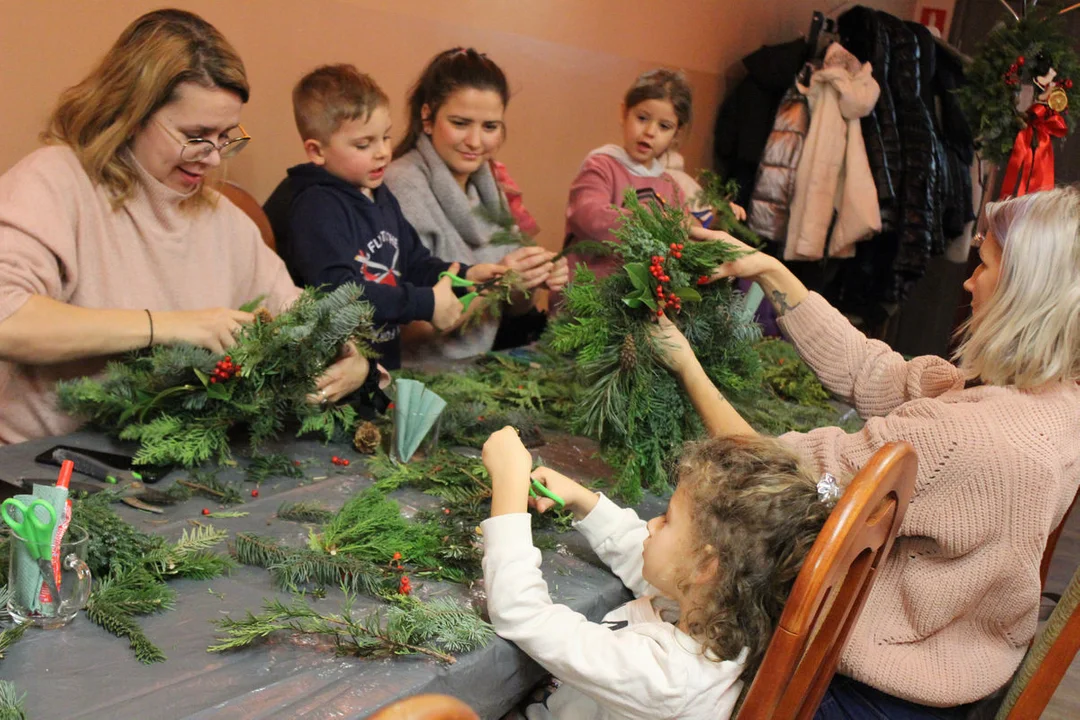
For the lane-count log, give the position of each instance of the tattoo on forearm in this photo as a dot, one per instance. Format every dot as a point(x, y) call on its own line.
point(779, 301)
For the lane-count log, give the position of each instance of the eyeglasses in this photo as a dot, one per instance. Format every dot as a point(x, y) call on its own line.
point(198, 149)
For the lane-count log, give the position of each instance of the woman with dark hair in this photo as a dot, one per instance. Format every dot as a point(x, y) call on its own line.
point(112, 236)
point(442, 177)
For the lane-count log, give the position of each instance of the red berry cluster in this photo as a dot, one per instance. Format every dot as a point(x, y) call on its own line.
point(254, 492)
point(395, 561)
point(656, 269)
point(405, 585)
point(224, 370)
point(1012, 77)
point(344, 462)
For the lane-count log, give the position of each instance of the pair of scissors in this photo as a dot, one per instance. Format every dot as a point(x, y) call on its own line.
point(478, 288)
point(36, 533)
point(539, 487)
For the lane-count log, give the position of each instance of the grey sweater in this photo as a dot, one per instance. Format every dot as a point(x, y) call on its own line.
point(446, 221)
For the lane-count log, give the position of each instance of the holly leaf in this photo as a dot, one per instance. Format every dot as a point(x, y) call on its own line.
point(203, 377)
point(688, 294)
point(639, 276)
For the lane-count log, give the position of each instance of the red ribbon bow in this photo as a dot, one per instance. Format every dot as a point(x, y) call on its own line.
point(1031, 170)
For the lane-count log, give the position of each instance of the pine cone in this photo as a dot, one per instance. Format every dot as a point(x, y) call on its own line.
point(628, 354)
point(263, 314)
point(367, 438)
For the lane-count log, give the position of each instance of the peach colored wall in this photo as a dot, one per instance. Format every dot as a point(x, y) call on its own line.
point(569, 62)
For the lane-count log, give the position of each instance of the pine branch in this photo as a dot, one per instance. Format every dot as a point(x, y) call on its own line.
point(11, 702)
point(207, 485)
point(264, 466)
point(10, 636)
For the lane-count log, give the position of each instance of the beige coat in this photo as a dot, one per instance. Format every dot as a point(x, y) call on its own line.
point(834, 173)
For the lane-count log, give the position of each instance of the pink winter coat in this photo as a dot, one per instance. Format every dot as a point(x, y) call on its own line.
point(834, 172)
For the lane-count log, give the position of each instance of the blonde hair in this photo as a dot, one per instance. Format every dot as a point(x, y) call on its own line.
point(139, 75)
point(330, 95)
point(756, 509)
point(1027, 333)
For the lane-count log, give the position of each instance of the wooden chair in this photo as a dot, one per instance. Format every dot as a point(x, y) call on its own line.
point(427, 707)
point(242, 199)
point(1051, 544)
point(1047, 660)
point(832, 586)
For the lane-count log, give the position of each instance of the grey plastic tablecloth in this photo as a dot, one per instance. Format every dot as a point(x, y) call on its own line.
point(81, 671)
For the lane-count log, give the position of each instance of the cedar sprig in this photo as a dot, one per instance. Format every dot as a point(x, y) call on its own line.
point(205, 483)
point(434, 628)
point(718, 194)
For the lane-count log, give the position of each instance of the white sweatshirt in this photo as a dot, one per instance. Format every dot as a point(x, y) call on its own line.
point(634, 664)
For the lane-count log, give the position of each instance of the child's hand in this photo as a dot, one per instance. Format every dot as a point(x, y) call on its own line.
point(509, 464)
point(579, 500)
point(447, 306)
point(484, 272)
point(740, 212)
point(559, 277)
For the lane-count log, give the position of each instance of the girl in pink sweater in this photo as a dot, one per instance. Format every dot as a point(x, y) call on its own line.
point(654, 112)
point(956, 603)
point(111, 239)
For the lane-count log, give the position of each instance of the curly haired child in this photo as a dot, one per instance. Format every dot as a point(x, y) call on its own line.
point(710, 578)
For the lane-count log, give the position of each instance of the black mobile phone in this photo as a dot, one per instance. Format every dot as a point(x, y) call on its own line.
point(118, 461)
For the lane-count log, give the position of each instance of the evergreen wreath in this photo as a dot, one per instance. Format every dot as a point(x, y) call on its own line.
point(1010, 57)
point(181, 402)
point(630, 403)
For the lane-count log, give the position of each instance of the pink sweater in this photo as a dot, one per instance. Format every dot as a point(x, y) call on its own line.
point(59, 237)
point(955, 604)
point(595, 195)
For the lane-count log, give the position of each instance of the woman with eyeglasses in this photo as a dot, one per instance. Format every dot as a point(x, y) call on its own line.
point(956, 602)
point(112, 237)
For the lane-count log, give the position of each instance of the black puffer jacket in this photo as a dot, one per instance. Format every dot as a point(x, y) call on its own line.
point(746, 115)
point(905, 157)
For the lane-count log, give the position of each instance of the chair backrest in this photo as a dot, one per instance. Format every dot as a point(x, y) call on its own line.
point(832, 586)
point(427, 707)
point(242, 199)
point(1047, 660)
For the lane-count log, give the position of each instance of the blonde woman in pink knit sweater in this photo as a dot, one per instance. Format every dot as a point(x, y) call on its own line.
point(111, 239)
point(955, 606)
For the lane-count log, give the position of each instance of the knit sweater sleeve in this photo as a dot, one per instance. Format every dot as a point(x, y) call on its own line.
point(39, 212)
point(589, 213)
point(637, 674)
point(864, 372)
point(617, 535)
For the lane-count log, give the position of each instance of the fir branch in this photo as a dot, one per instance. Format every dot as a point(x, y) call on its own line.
point(408, 627)
point(304, 512)
point(207, 485)
point(263, 466)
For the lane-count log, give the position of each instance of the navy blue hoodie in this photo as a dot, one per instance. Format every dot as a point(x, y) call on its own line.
point(329, 233)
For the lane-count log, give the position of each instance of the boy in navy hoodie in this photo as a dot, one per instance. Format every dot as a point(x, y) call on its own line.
point(335, 222)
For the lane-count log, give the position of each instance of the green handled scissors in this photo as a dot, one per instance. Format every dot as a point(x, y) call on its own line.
point(36, 533)
point(458, 281)
point(539, 487)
